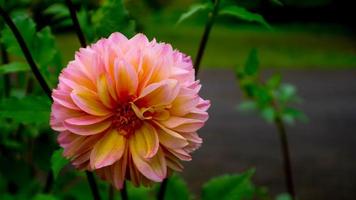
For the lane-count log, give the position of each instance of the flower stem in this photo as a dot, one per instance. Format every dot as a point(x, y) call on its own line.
point(76, 24)
point(80, 35)
point(111, 193)
point(162, 189)
point(93, 185)
point(286, 155)
point(26, 52)
point(204, 39)
point(5, 60)
point(123, 192)
point(35, 71)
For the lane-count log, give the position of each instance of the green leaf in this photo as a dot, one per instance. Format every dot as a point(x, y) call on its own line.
point(268, 113)
point(44, 197)
point(243, 14)
point(57, 10)
point(111, 17)
point(177, 189)
point(195, 9)
point(252, 63)
point(284, 197)
point(230, 187)
point(274, 82)
point(27, 29)
point(289, 115)
point(247, 106)
point(287, 93)
point(139, 193)
point(41, 44)
point(277, 2)
point(14, 67)
point(30, 109)
point(58, 162)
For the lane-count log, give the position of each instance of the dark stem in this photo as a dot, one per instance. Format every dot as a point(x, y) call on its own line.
point(26, 52)
point(76, 24)
point(35, 71)
point(90, 176)
point(286, 156)
point(111, 192)
point(123, 192)
point(93, 186)
point(162, 189)
point(204, 39)
point(5, 60)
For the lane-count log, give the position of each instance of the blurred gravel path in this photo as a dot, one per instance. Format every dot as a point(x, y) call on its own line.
point(323, 151)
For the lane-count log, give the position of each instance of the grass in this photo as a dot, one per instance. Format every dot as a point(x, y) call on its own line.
point(283, 47)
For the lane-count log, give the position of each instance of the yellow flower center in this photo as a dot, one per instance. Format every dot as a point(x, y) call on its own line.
point(125, 120)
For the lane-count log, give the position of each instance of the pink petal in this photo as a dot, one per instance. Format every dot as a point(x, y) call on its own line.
point(145, 140)
point(87, 129)
point(89, 103)
point(108, 149)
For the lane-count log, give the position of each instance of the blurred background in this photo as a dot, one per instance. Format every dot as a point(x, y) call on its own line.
point(312, 44)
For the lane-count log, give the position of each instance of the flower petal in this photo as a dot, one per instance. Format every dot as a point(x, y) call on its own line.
point(145, 141)
point(87, 129)
point(108, 150)
point(170, 139)
point(89, 103)
point(104, 92)
point(126, 79)
point(154, 168)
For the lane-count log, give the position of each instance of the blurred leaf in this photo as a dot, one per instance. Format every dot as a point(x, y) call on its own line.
point(41, 44)
point(57, 10)
point(112, 17)
point(277, 2)
point(195, 9)
point(274, 82)
point(177, 189)
point(27, 29)
point(30, 109)
point(44, 197)
point(139, 193)
point(229, 187)
point(14, 67)
point(289, 115)
point(286, 93)
point(252, 63)
point(247, 106)
point(268, 113)
point(85, 25)
point(243, 14)
point(58, 162)
point(284, 197)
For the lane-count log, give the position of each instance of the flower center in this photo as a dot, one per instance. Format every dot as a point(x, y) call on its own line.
point(125, 120)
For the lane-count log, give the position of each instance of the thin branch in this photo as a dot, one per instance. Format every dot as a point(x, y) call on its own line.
point(36, 72)
point(162, 189)
point(93, 186)
point(123, 192)
point(26, 52)
point(286, 155)
point(5, 60)
point(76, 24)
point(80, 35)
point(204, 39)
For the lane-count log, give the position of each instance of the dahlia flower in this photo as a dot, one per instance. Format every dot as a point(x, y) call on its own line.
point(128, 109)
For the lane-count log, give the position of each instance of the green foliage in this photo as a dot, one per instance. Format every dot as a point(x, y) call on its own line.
point(284, 197)
point(40, 43)
point(230, 187)
point(44, 197)
point(271, 98)
point(243, 14)
point(29, 109)
point(112, 17)
point(177, 189)
point(208, 6)
point(14, 67)
point(58, 162)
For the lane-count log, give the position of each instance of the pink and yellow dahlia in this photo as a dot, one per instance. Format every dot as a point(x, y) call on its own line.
point(128, 109)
